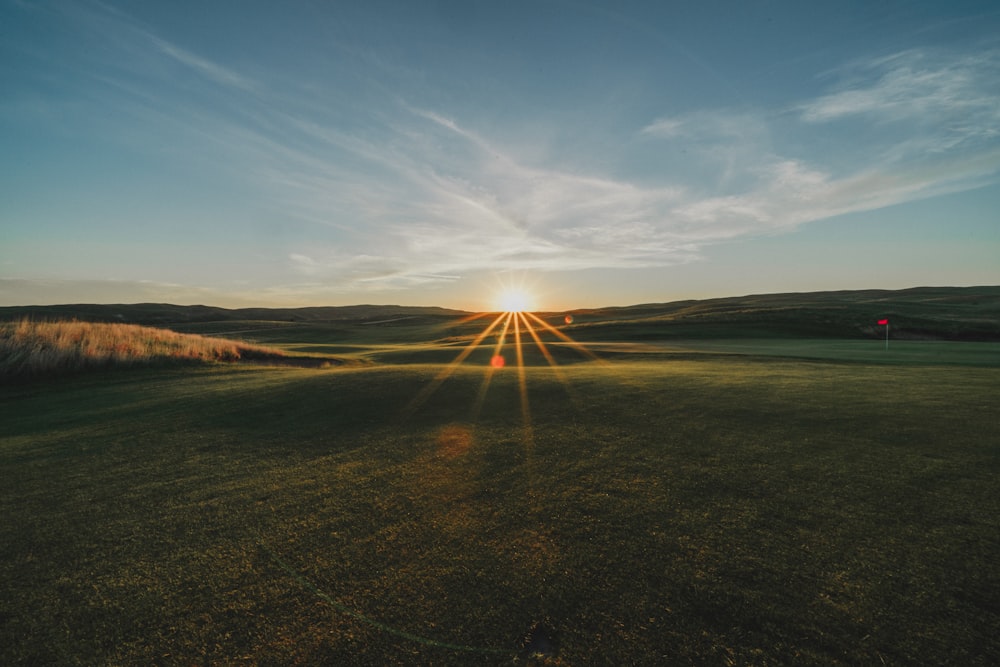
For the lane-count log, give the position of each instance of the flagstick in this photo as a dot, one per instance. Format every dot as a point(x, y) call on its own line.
point(886, 336)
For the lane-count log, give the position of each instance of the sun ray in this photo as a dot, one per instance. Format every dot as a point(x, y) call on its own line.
point(538, 341)
point(522, 378)
point(572, 343)
point(543, 348)
point(515, 323)
point(491, 368)
point(475, 316)
point(477, 407)
point(526, 425)
point(447, 371)
point(522, 375)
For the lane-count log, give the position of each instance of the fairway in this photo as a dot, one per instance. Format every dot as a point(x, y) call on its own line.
point(715, 508)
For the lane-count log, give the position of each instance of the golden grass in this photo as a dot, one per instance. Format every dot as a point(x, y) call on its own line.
point(32, 349)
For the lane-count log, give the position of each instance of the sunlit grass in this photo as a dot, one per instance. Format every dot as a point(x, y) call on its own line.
point(31, 349)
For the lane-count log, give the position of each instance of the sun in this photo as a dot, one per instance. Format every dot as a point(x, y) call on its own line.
point(513, 300)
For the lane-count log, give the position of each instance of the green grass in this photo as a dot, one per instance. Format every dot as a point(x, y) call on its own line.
point(904, 352)
point(693, 506)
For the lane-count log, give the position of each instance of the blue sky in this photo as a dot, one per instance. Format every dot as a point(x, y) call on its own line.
point(327, 153)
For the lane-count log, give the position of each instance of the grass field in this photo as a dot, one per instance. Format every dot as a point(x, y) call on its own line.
point(720, 502)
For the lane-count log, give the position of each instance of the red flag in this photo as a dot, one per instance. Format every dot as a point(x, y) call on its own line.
point(886, 322)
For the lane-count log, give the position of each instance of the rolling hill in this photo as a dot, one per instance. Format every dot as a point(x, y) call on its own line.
point(922, 313)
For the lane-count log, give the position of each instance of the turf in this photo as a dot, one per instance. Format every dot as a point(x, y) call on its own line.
point(667, 506)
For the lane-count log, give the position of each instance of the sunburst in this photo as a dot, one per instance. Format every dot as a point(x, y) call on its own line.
point(515, 327)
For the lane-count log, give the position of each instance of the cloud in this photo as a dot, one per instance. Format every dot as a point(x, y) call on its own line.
point(712, 126)
point(402, 195)
point(922, 104)
point(925, 86)
point(463, 202)
point(665, 128)
point(487, 207)
point(449, 202)
point(899, 128)
point(202, 66)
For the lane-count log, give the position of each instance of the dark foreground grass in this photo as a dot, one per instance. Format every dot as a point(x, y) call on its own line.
point(716, 511)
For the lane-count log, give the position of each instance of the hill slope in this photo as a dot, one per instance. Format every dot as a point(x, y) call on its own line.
point(929, 313)
point(165, 314)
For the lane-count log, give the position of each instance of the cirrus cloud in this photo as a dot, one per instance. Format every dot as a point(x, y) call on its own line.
point(401, 194)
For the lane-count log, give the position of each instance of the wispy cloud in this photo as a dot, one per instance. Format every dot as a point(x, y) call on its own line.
point(909, 126)
point(129, 42)
point(202, 66)
point(462, 202)
point(918, 105)
point(924, 86)
point(412, 196)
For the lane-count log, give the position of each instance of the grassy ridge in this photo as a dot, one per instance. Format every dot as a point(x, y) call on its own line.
point(32, 349)
point(718, 510)
point(924, 313)
point(166, 314)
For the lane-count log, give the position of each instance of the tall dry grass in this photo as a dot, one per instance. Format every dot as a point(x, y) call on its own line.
point(33, 349)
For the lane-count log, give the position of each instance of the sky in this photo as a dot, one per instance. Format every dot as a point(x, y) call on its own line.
point(416, 152)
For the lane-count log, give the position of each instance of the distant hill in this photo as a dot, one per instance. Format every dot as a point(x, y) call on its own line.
point(165, 314)
point(928, 313)
point(922, 313)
